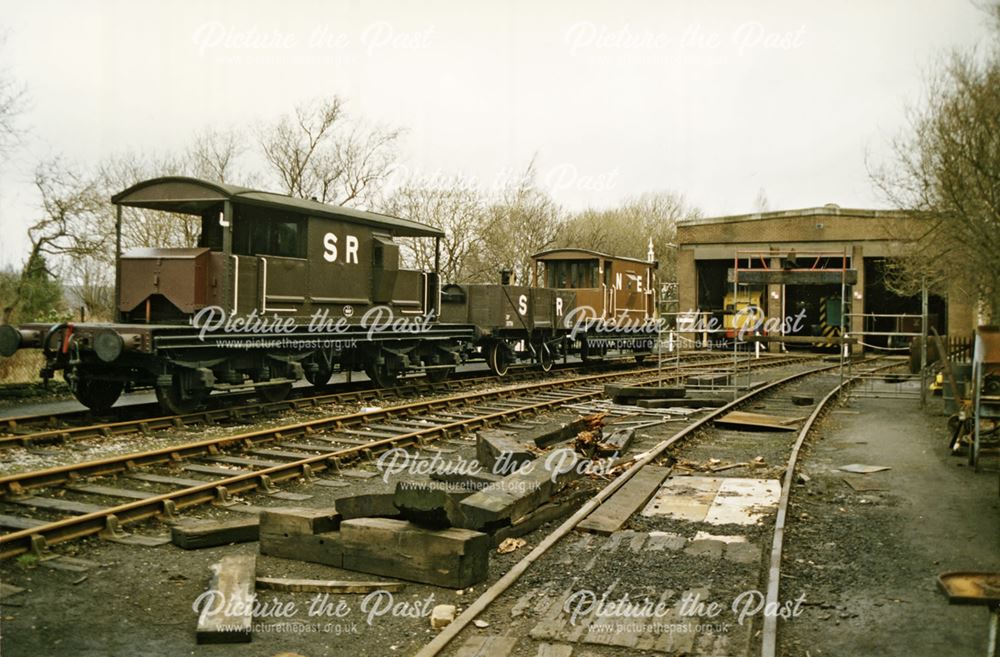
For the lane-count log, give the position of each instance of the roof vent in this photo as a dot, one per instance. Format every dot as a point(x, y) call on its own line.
point(832, 206)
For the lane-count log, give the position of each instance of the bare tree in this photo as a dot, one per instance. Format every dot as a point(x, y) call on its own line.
point(627, 229)
point(458, 210)
point(65, 229)
point(365, 158)
point(946, 171)
point(522, 220)
point(214, 155)
point(316, 153)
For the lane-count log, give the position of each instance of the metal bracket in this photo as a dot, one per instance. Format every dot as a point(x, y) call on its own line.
point(222, 497)
point(40, 548)
point(267, 485)
point(169, 513)
point(112, 529)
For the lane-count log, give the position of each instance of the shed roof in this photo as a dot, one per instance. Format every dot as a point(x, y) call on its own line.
point(830, 209)
point(194, 196)
point(581, 254)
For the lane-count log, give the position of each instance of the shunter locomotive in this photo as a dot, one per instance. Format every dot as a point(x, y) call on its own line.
point(281, 288)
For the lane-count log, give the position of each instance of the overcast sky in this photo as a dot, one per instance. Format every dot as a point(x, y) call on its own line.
point(714, 99)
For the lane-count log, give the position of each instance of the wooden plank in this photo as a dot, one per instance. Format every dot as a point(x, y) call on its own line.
point(554, 650)
point(634, 495)
point(371, 505)
point(519, 493)
point(280, 454)
point(325, 586)
point(196, 534)
point(558, 508)
point(315, 548)
point(372, 435)
point(310, 447)
point(473, 481)
point(429, 503)
point(492, 446)
point(341, 439)
point(58, 505)
point(17, 522)
point(554, 432)
point(214, 470)
point(240, 460)
point(299, 520)
point(233, 578)
point(487, 646)
point(111, 491)
point(164, 479)
point(405, 428)
point(758, 421)
point(619, 439)
point(453, 558)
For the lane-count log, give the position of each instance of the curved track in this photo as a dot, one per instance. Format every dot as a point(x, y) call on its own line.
point(671, 448)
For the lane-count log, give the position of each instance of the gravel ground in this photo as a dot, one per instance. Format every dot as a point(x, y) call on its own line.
point(138, 601)
point(21, 459)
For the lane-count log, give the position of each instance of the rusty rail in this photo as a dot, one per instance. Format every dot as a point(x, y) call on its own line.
point(167, 504)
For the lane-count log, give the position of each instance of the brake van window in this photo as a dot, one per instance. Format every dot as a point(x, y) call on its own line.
point(270, 236)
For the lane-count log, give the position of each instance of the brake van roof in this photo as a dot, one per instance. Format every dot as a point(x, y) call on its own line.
point(194, 196)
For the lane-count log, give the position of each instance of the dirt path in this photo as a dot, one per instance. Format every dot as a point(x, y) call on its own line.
point(867, 561)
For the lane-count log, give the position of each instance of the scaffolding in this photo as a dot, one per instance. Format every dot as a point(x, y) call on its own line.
point(792, 267)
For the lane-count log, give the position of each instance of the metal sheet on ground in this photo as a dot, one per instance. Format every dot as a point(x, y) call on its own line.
point(716, 500)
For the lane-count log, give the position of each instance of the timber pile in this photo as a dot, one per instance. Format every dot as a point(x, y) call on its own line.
point(441, 532)
point(449, 557)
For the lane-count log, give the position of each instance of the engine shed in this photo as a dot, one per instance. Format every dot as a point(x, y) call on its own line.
point(826, 264)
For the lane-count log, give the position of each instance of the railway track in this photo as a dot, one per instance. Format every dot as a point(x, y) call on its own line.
point(601, 590)
point(60, 427)
point(260, 460)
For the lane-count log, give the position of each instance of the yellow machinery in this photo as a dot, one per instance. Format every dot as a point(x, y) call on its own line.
point(746, 313)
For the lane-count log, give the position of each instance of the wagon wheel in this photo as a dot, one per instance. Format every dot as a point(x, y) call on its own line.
point(381, 375)
point(276, 392)
point(174, 399)
point(544, 357)
point(321, 376)
point(497, 358)
point(95, 394)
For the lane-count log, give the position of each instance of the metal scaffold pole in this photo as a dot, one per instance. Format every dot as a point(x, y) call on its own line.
point(923, 342)
point(843, 315)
